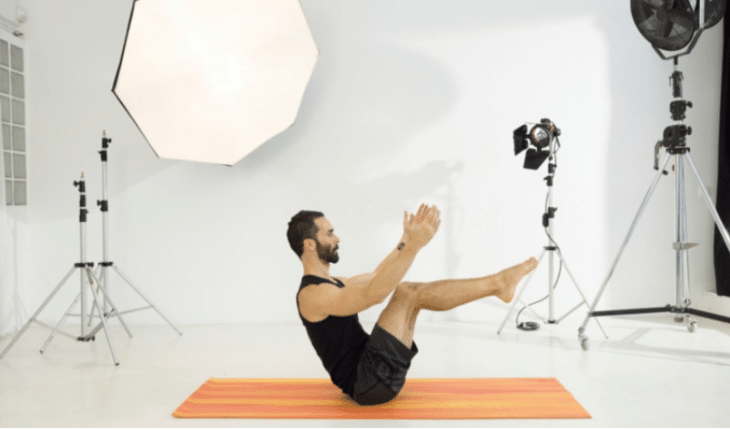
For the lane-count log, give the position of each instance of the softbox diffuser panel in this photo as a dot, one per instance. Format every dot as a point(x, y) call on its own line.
point(212, 80)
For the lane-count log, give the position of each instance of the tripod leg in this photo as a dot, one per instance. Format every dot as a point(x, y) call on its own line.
point(113, 310)
point(517, 299)
point(145, 298)
point(710, 204)
point(91, 311)
point(565, 265)
point(103, 322)
point(60, 323)
point(649, 193)
point(40, 309)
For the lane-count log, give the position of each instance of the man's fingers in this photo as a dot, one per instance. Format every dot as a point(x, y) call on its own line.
point(434, 214)
point(422, 211)
point(427, 214)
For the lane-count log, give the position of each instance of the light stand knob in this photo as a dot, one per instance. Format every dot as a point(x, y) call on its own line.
point(105, 141)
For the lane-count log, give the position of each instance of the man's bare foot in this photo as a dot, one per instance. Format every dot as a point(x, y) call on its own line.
point(511, 277)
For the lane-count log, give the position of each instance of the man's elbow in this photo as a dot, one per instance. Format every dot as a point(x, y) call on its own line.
point(373, 298)
point(378, 298)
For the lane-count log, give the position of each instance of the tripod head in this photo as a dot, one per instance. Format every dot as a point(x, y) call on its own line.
point(81, 184)
point(675, 136)
point(105, 141)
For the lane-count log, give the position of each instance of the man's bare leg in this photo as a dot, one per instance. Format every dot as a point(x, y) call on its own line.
point(449, 294)
point(400, 315)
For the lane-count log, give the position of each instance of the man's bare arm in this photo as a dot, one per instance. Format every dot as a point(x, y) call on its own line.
point(365, 278)
point(364, 291)
point(419, 230)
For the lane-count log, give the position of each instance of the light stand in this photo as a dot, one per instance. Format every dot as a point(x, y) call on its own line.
point(87, 278)
point(550, 249)
point(105, 265)
point(675, 144)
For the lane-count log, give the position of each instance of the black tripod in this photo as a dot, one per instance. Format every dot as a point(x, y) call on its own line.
point(88, 279)
point(675, 144)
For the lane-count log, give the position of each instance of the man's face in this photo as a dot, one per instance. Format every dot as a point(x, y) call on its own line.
point(327, 241)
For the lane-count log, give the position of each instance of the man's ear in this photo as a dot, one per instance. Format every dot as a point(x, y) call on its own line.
point(310, 244)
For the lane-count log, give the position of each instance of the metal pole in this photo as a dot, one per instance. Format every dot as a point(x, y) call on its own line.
point(551, 260)
point(35, 315)
point(585, 301)
point(642, 207)
point(710, 204)
point(551, 244)
point(145, 299)
point(60, 323)
point(82, 249)
point(103, 319)
point(681, 251)
point(104, 203)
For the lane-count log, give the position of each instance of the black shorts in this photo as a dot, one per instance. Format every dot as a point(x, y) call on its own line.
point(381, 371)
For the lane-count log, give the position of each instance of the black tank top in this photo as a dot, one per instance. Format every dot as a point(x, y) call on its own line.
point(339, 341)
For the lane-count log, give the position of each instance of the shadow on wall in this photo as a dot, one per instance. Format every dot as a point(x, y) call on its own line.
point(434, 183)
point(365, 102)
point(362, 103)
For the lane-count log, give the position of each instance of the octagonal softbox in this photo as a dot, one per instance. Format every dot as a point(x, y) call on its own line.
point(212, 80)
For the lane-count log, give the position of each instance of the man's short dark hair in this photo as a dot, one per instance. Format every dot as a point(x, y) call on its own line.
point(302, 227)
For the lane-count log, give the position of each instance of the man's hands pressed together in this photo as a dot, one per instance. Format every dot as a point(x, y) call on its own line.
point(421, 227)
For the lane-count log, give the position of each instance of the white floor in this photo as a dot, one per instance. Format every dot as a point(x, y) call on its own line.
point(651, 372)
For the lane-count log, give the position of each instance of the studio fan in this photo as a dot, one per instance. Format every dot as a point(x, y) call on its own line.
point(671, 25)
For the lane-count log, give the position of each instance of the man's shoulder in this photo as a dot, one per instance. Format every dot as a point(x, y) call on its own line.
point(312, 296)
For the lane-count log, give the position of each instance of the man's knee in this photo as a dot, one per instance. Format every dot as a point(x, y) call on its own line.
point(407, 291)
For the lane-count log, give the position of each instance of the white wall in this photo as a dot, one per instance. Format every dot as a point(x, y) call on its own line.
point(410, 101)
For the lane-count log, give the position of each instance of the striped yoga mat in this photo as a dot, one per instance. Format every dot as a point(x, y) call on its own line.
point(420, 399)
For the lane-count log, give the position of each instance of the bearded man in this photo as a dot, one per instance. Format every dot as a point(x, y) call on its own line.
point(371, 369)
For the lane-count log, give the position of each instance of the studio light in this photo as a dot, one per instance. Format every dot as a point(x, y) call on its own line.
point(211, 81)
point(544, 138)
point(540, 136)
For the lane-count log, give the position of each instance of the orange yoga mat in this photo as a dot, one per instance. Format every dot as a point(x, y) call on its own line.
point(446, 399)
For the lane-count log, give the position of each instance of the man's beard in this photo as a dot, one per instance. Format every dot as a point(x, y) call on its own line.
point(327, 253)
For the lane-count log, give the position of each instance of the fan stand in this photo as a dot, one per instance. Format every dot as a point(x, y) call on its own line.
point(675, 145)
